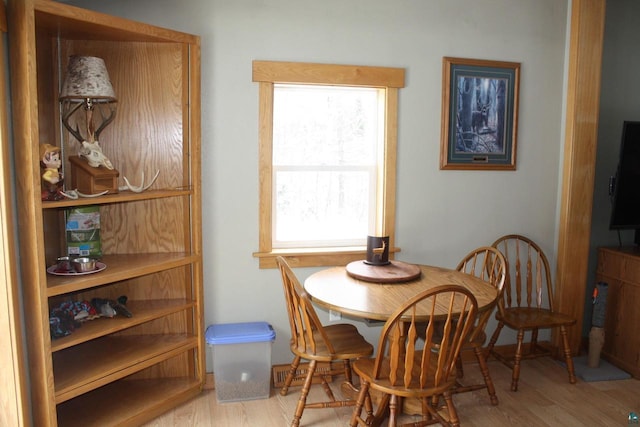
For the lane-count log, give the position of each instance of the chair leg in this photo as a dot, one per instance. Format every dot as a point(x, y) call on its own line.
point(382, 411)
point(368, 405)
point(327, 389)
point(487, 376)
point(302, 401)
point(534, 340)
point(393, 410)
point(347, 371)
point(454, 421)
point(292, 373)
point(426, 405)
point(357, 410)
point(516, 361)
point(364, 398)
point(567, 354)
point(494, 340)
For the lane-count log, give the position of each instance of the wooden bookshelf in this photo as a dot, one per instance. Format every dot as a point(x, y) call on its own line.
point(119, 370)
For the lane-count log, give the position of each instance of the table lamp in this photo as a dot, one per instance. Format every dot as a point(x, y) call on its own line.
point(87, 85)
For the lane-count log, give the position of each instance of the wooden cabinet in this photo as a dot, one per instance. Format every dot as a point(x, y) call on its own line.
point(112, 371)
point(620, 269)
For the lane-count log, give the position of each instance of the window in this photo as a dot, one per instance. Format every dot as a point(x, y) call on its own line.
point(326, 145)
point(327, 160)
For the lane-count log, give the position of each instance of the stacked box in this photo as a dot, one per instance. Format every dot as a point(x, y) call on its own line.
point(83, 232)
point(241, 360)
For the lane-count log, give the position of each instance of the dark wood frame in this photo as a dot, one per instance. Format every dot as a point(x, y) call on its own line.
point(479, 114)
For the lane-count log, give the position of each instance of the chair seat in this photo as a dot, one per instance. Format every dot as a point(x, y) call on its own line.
point(532, 318)
point(364, 368)
point(346, 341)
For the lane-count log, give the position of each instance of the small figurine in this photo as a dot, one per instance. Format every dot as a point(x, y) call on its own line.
point(52, 179)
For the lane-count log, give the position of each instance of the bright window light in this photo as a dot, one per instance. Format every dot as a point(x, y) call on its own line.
point(327, 143)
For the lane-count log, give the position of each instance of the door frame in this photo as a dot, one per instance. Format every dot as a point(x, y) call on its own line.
point(581, 139)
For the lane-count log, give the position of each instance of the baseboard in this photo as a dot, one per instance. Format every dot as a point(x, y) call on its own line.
point(209, 381)
point(279, 372)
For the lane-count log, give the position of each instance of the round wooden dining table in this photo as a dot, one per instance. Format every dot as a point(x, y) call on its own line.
point(336, 289)
point(376, 298)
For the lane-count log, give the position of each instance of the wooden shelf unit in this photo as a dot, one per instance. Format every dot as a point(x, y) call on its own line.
point(112, 371)
point(620, 269)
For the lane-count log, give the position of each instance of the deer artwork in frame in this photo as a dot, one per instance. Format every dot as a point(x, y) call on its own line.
point(479, 114)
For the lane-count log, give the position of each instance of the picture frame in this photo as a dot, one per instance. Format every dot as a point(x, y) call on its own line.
point(479, 114)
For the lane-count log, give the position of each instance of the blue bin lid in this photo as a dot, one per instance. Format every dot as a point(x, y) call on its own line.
point(239, 333)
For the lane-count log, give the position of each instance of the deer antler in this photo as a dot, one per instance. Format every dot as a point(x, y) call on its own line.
point(90, 106)
point(140, 188)
point(68, 112)
point(75, 194)
point(105, 121)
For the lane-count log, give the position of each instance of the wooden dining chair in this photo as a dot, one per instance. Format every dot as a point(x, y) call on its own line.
point(408, 366)
point(488, 264)
point(312, 341)
point(527, 305)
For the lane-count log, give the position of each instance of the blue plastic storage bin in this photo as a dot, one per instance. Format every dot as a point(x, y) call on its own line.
point(241, 360)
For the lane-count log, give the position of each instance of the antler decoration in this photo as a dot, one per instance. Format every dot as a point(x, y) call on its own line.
point(142, 187)
point(67, 112)
point(69, 108)
point(94, 136)
point(75, 194)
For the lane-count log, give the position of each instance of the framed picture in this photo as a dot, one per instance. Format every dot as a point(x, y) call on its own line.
point(479, 114)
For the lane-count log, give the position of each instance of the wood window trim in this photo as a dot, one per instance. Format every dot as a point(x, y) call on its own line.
point(268, 73)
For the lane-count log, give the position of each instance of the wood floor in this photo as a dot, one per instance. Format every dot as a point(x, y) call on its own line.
point(545, 399)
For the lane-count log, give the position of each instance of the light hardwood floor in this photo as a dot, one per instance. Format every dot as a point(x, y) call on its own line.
point(545, 399)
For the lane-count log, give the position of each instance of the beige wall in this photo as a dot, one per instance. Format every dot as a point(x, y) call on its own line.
point(441, 215)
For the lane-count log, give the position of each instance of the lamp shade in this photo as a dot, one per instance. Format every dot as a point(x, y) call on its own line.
point(87, 77)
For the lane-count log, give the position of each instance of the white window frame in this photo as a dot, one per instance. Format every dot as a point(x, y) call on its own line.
point(268, 73)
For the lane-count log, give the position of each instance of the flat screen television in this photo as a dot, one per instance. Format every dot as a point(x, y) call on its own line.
point(625, 214)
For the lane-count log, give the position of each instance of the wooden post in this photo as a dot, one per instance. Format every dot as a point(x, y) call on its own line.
point(583, 100)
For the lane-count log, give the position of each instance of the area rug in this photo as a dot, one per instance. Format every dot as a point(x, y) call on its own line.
point(604, 372)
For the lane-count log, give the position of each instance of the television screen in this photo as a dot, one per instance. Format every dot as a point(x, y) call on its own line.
point(626, 192)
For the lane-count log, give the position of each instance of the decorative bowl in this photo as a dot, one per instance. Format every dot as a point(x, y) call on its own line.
point(83, 264)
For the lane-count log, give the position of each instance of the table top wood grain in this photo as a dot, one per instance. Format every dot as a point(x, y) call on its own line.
point(335, 289)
